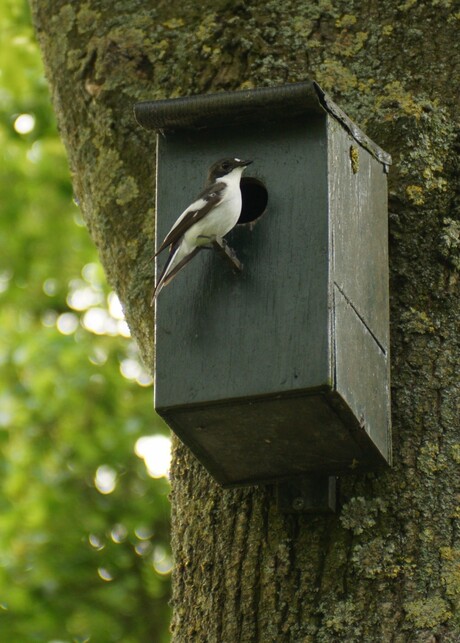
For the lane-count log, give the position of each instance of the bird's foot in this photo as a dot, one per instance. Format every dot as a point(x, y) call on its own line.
point(228, 253)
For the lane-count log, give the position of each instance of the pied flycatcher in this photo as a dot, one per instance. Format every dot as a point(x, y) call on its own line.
point(215, 212)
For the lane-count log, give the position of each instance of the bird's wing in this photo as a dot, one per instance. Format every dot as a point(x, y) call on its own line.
point(206, 201)
point(166, 276)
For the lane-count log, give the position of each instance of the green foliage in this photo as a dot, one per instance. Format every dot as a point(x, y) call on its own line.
point(78, 562)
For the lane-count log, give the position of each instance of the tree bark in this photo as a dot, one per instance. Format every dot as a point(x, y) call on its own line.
point(386, 566)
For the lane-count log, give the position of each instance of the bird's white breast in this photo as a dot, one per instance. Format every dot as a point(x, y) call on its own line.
point(223, 217)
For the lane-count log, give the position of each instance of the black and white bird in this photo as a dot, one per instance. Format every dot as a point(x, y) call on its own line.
point(215, 212)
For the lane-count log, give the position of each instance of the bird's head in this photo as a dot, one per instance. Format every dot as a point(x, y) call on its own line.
point(223, 167)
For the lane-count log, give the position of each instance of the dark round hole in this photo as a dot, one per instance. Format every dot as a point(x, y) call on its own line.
point(255, 198)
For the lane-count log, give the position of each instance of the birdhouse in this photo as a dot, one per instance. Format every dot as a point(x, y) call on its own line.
point(280, 369)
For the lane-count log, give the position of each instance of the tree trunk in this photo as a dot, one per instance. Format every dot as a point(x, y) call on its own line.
point(386, 566)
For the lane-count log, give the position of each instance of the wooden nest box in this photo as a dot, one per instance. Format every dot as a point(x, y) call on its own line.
point(280, 370)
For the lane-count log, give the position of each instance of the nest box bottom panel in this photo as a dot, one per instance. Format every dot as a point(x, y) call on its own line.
point(245, 442)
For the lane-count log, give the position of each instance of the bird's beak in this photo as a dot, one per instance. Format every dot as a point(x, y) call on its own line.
point(245, 163)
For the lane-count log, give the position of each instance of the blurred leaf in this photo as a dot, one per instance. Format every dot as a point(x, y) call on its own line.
point(72, 566)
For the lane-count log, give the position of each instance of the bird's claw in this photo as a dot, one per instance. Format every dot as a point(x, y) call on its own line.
point(221, 246)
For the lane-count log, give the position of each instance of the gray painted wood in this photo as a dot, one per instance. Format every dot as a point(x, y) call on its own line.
point(264, 331)
point(358, 211)
point(361, 374)
point(359, 278)
point(282, 369)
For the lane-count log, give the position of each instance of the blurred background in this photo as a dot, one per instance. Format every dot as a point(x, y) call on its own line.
point(84, 512)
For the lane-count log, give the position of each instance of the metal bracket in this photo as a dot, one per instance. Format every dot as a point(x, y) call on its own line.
point(307, 494)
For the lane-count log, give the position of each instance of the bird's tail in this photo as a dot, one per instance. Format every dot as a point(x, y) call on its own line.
point(175, 262)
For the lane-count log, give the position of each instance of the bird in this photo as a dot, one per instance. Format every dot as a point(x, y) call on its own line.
point(210, 217)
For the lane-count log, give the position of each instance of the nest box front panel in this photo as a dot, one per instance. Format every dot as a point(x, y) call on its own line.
point(221, 335)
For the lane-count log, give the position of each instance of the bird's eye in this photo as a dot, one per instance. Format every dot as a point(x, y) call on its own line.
point(225, 166)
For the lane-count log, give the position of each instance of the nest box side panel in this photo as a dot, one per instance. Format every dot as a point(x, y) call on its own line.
point(362, 381)
point(265, 331)
point(360, 230)
point(359, 226)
